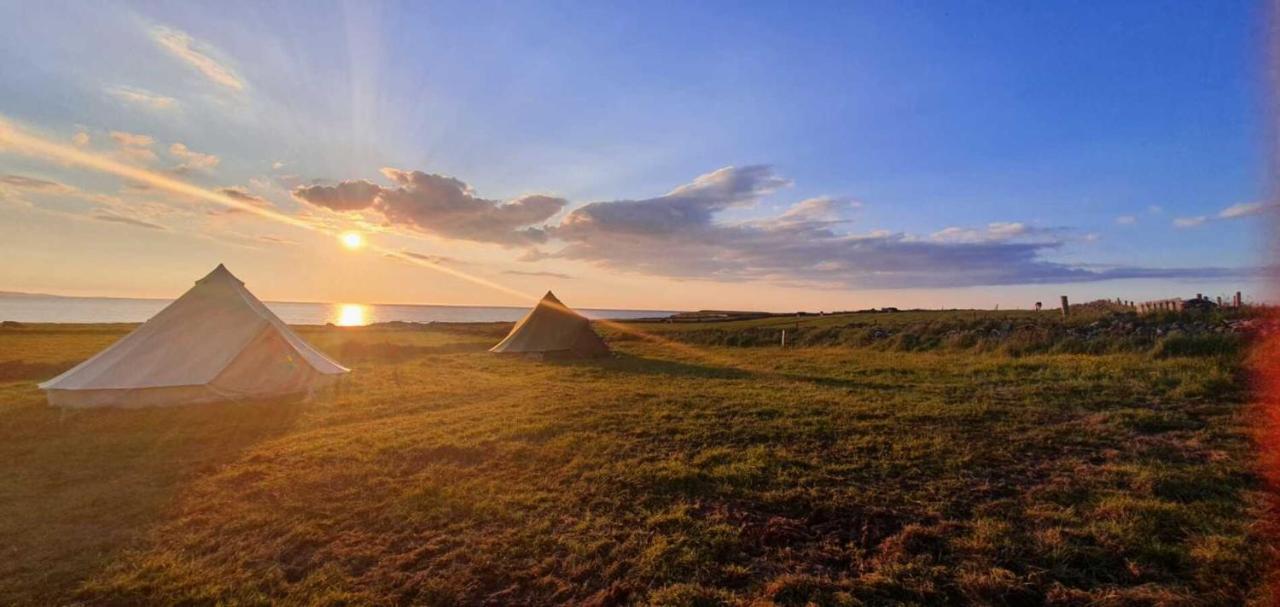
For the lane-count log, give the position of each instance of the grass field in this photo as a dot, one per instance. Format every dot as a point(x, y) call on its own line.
point(682, 474)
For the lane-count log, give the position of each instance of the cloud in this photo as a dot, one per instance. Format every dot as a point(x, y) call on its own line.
point(682, 235)
point(1190, 222)
point(1235, 211)
point(1126, 220)
point(1243, 209)
point(436, 259)
point(133, 147)
point(191, 160)
point(131, 139)
point(539, 274)
point(244, 196)
point(127, 221)
point(142, 97)
point(823, 208)
point(997, 231)
point(686, 209)
point(355, 195)
point(1155, 209)
point(23, 182)
point(80, 139)
point(439, 205)
point(197, 55)
point(276, 240)
point(678, 235)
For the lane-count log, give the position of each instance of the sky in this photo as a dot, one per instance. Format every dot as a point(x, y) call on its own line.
point(671, 156)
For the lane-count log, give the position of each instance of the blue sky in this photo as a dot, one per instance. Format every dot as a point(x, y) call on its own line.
point(967, 153)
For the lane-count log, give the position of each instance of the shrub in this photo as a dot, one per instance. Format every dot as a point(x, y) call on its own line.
point(1178, 344)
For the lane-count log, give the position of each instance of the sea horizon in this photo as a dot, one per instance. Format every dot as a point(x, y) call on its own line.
point(72, 309)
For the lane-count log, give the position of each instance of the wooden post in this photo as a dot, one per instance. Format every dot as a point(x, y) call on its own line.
point(1066, 307)
point(1238, 301)
point(784, 338)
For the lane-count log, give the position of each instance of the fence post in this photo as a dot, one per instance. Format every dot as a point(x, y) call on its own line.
point(1066, 307)
point(1238, 300)
point(784, 338)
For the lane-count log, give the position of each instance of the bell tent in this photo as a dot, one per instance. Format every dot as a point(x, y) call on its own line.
point(552, 329)
point(216, 342)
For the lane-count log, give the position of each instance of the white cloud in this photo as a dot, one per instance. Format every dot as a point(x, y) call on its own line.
point(1190, 222)
point(1126, 220)
point(994, 232)
point(133, 147)
point(142, 97)
point(191, 160)
point(1243, 209)
point(80, 139)
point(824, 208)
point(1235, 211)
point(1155, 209)
point(197, 55)
point(132, 139)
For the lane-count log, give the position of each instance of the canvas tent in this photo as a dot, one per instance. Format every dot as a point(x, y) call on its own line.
point(216, 342)
point(552, 328)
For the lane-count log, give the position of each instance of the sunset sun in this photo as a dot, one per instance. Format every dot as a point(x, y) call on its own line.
point(351, 240)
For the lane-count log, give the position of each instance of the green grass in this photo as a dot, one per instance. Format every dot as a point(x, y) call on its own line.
point(693, 475)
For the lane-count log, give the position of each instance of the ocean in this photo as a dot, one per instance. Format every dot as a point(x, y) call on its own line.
point(26, 308)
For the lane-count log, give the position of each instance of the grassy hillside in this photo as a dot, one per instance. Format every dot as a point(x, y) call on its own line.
point(676, 473)
point(1087, 331)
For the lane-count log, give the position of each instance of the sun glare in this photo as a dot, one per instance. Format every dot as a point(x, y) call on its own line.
point(351, 240)
point(352, 315)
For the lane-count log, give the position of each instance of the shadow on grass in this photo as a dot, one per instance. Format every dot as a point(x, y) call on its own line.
point(639, 365)
point(21, 370)
point(628, 363)
point(97, 480)
point(354, 351)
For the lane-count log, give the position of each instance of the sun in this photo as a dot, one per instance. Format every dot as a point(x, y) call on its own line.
point(351, 240)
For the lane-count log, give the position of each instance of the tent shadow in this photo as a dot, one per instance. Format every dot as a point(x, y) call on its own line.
point(355, 351)
point(100, 479)
point(21, 370)
point(638, 365)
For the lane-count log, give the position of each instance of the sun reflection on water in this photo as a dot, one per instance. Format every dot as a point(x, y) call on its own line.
point(351, 315)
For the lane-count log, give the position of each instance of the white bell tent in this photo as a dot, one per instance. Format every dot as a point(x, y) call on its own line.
point(216, 342)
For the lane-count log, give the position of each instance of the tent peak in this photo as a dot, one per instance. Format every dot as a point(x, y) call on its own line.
point(219, 273)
